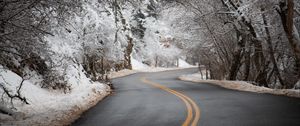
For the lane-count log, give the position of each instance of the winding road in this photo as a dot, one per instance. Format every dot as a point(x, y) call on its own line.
point(160, 99)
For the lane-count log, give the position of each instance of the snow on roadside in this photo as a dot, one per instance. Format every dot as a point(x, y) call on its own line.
point(159, 69)
point(136, 65)
point(121, 73)
point(140, 67)
point(184, 64)
point(48, 107)
point(241, 86)
point(127, 72)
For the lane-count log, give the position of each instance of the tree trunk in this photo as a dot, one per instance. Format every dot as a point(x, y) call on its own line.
point(127, 54)
point(156, 61)
point(271, 50)
point(206, 74)
point(235, 65)
point(259, 57)
point(286, 13)
point(247, 62)
point(211, 73)
point(177, 64)
point(200, 71)
point(102, 67)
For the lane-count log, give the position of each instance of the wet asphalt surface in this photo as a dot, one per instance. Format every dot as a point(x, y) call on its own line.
point(135, 103)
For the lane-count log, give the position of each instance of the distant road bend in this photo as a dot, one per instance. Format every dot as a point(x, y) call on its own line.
point(160, 99)
point(189, 103)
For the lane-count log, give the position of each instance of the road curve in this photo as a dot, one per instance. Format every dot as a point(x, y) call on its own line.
point(190, 104)
point(160, 99)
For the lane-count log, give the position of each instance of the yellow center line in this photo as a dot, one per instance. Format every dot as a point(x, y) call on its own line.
point(197, 111)
point(188, 105)
point(185, 99)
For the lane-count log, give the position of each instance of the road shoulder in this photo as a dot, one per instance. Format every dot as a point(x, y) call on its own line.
point(241, 86)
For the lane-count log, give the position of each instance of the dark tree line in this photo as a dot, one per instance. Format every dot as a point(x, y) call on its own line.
point(250, 40)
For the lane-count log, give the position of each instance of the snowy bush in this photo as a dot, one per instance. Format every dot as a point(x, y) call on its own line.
point(55, 81)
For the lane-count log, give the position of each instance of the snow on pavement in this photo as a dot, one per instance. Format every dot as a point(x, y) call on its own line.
point(241, 86)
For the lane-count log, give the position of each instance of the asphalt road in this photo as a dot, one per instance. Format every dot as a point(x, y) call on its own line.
point(160, 99)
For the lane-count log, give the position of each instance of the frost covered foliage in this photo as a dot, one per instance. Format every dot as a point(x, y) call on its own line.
point(91, 37)
point(155, 43)
point(158, 45)
point(24, 25)
point(48, 38)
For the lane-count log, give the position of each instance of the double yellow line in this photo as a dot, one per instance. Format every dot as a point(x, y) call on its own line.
point(189, 103)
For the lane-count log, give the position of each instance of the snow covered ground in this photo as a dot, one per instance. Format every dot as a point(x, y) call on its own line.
point(184, 64)
point(241, 86)
point(122, 73)
point(48, 107)
point(140, 67)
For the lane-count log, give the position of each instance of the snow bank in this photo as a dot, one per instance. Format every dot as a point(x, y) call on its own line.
point(48, 107)
point(159, 69)
point(140, 67)
point(127, 72)
point(184, 64)
point(241, 86)
point(136, 65)
point(122, 73)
